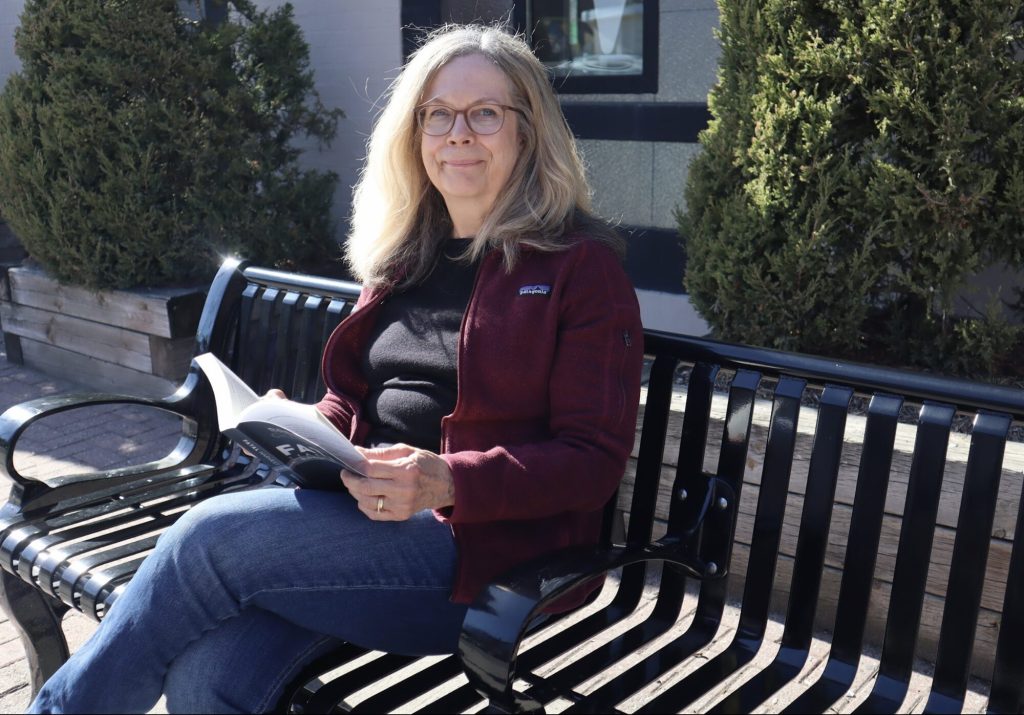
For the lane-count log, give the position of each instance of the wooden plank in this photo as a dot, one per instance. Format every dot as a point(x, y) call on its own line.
point(985, 636)
point(997, 564)
point(1011, 481)
point(171, 356)
point(93, 373)
point(165, 312)
point(942, 549)
point(104, 342)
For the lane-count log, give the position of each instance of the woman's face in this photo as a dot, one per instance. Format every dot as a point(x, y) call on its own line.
point(469, 169)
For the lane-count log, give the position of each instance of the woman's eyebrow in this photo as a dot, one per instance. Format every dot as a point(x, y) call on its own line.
point(482, 100)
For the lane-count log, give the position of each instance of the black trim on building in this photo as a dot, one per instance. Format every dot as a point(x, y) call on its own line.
point(418, 17)
point(637, 121)
point(518, 16)
point(215, 12)
point(655, 258)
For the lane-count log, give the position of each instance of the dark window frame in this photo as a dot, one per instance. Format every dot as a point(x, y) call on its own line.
point(644, 83)
point(215, 12)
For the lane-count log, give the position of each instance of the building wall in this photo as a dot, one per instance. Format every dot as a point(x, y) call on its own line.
point(9, 12)
point(651, 189)
point(687, 64)
point(650, 192)
point(356, 51)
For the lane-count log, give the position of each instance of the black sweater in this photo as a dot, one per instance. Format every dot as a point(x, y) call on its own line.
point(410, 363)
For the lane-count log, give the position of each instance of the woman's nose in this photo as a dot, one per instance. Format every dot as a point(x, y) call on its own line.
point(460, 132)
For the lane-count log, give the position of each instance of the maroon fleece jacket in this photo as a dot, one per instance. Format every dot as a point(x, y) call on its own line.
point(548, 387)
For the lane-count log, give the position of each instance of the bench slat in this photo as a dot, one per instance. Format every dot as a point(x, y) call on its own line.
point(749, 635)
point(910, 576)
point(967, 572)
point(690, 481)
point(809, 563)
point(859, 564)
point(1007, 694)
point(310, 326)
point(283, 364)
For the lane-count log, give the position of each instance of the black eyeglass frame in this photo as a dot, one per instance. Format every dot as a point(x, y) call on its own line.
point(465, 114)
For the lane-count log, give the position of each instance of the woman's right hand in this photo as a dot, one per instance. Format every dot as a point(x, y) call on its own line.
point(400, 481)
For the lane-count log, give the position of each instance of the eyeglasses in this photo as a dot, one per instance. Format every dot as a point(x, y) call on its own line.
point(436, 120)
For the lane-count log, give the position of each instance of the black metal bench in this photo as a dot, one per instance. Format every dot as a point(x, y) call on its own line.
point(700, 503)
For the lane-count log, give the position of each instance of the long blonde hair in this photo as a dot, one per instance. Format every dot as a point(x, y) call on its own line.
point(399, 219)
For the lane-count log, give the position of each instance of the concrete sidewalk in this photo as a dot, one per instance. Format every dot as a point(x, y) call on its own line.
point(74, 442)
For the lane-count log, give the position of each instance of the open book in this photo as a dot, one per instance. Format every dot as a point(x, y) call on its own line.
point(283, 433)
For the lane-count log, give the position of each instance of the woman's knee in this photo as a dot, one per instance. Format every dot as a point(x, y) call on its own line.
point(213, 527)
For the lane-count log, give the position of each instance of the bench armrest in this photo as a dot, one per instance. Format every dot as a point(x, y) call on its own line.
point(499, 618)
point(17, 419)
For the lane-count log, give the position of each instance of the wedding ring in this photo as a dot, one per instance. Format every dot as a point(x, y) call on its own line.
point(380, 504)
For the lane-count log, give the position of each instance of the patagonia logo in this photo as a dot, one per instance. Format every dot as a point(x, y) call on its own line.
point(535, 290)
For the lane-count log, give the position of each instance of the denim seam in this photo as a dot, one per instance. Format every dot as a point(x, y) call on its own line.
point(286, 674)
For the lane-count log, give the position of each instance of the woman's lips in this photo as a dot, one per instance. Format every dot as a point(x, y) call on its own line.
point(461, 163)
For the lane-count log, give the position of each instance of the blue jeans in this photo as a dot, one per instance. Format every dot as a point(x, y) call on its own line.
point(247, 588)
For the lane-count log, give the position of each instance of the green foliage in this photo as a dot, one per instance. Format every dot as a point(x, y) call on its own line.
point(137, 145)
point(863, 160)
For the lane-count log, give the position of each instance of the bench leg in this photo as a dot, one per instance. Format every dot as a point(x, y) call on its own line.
point(37, 618)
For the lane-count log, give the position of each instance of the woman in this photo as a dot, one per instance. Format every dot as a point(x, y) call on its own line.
point(492, 370)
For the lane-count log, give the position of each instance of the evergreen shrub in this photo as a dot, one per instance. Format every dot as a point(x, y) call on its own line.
point(137, 144)
point(864, 159)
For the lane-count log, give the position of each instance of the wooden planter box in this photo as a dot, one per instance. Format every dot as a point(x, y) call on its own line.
point(125, 341)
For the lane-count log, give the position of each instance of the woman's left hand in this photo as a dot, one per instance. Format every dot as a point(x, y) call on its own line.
point(409, 480)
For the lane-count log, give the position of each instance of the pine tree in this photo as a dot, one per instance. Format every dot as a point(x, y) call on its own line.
point(863, 160)
point(137, 145)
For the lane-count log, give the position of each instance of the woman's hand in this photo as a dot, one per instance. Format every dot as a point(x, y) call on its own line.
point(408, 479)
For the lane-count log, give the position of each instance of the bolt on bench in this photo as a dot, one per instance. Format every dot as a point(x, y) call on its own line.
point(879, 505)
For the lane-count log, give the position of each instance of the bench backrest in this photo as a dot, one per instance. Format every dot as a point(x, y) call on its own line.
point(875, 503)
point(879, 504)
point(271, 326)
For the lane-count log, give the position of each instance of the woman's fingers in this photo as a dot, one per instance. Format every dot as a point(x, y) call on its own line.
point(394, 451)
point(408, 479)
point(379, 499)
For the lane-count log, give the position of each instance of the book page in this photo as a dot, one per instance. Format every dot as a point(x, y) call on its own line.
point(230, 393)
point(237, 403)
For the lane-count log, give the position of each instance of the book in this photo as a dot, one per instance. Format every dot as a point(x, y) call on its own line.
point(292, 436)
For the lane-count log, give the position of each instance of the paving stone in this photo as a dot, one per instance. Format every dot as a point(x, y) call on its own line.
point(13, 676)
point(16, 700)
point(11, 651)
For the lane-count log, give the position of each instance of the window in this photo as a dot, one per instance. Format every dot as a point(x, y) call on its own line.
point(597, 45)
point(213, 11)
